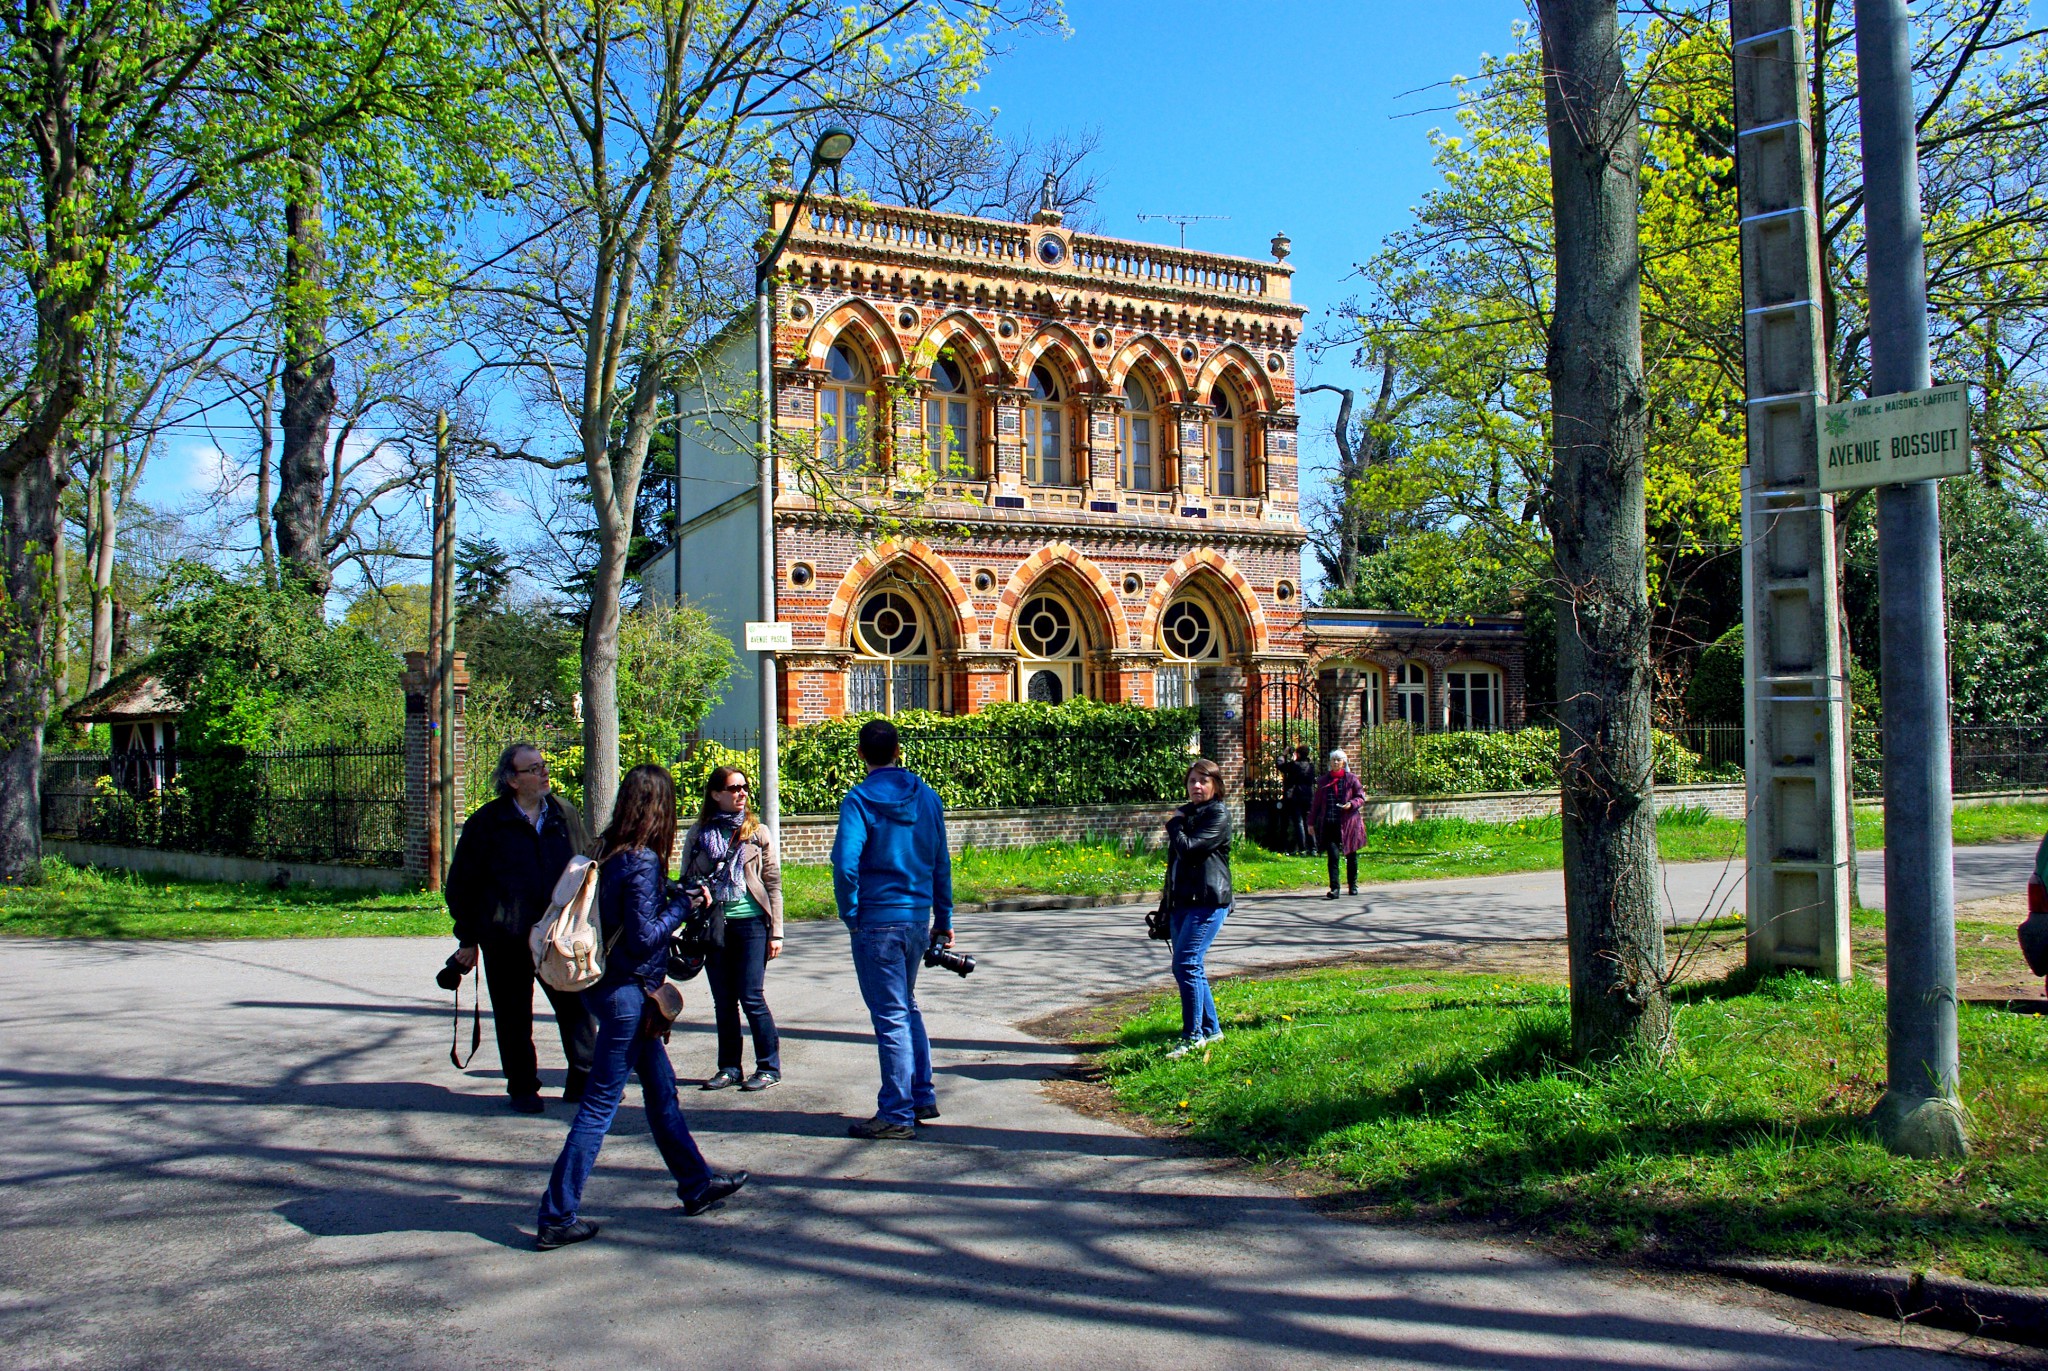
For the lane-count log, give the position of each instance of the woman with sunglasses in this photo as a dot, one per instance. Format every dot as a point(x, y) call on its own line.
point(729, 864)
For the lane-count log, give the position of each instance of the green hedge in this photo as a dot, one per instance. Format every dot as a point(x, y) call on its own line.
point(1008, 756)
point(1394, 761)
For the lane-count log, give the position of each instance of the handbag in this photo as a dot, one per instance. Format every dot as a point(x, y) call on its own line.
point(1159, 926)
point(658, 1015)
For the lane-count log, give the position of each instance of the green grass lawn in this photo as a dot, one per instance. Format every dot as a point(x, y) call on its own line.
point(85, 902)
point(1428, 1094)
point(75, 903)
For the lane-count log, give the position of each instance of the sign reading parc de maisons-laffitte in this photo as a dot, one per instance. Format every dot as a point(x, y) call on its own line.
point(1919, 435)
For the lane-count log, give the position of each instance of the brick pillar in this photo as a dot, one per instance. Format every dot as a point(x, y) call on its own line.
point(1222, 691)
point(1342, 714)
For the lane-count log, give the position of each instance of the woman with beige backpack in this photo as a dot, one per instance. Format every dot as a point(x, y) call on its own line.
point(638, 910)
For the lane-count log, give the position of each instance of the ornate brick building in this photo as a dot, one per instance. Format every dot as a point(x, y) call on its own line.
point(1019, 462)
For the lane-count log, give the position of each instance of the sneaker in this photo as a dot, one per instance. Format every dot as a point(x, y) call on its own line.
point(1209, 1038)
point(721, 1184)
point(761, 1080)
point(879, 1129)
point(1183, 1047)
point(553, 1235)
point(926, 1112)
point(1331, 896)
point(528, 1104)
point(727, 1076)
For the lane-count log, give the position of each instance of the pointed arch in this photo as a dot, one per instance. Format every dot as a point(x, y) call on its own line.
point(1061, 341)
point(1212, 567)
point(1098, 597)
point(1149, 349)
point(1233, 361)
point(874, 336)
point(971, 341)
point(961, 621)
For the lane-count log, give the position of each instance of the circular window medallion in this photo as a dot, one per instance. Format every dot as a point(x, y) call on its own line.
point(984, 580)
point(1185, 631)
point(799, 309)
point(1007, 328)
point(1187, 352)
point(801, 574)
point(888, 624)
point(1276, 363)
point(1133, 584)
point(1044, 627)
point(1102, 338)
point(1284, 591)
point(906, 317)
point(1051, 250)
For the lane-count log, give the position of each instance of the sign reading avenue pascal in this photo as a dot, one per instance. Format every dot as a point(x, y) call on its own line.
point(1918, 435)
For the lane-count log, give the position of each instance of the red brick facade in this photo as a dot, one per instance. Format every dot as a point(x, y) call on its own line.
point(971, 546)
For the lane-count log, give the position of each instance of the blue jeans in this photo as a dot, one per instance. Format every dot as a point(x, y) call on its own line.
point(1193, 931)
point(621, 1049)
point(885, 961)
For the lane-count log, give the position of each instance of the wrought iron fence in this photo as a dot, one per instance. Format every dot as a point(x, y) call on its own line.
point(1982, 758)
point(317, 804)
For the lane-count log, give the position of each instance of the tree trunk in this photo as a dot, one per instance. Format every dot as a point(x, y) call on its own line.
point(266, 440)
point(28, 539)
point(1595, 511)
point(99, 667)
point(308, 382)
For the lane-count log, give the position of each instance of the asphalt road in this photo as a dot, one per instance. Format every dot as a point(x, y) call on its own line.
point(239, 1155)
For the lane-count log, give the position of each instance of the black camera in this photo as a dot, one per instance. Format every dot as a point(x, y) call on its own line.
point(451, 973)
point(936, 953)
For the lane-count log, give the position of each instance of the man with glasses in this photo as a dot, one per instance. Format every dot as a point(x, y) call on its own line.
point(507, 861)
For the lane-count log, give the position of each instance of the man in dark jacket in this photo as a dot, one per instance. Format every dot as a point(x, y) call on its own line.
point(1297, 790)
point(511, 853)
point(893, 880)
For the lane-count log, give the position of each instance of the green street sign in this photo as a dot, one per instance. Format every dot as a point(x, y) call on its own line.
point(1919, 435)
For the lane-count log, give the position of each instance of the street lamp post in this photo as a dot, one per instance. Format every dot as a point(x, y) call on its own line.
point(833, 144)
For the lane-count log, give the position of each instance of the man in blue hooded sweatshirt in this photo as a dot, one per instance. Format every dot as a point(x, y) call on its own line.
point(893, 880)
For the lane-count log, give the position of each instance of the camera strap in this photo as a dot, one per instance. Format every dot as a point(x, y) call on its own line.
point(476, 1024)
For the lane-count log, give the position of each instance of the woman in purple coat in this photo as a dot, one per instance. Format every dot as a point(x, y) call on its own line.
point(1337, 814)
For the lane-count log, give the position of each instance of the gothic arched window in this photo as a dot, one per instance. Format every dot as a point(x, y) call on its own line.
point(1229, 445)
point(1044, 416)
point(948, 422)
point(1135, 435)
point(1189, 638)
point(894, 669)
point(844, 404)
point(1048, 637)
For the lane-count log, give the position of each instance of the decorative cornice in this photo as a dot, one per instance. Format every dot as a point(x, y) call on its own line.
point(1036, 523)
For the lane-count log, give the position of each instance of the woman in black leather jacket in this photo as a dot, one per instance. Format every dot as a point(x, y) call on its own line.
point(1197, 897)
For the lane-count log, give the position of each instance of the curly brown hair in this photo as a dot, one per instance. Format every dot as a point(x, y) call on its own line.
point(719, 779)
point(644, 814)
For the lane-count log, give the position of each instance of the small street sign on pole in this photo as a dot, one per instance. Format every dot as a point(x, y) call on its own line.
point(770, 637)
point(1921, 435)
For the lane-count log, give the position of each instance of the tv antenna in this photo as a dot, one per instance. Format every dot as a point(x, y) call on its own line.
point(1183, 220)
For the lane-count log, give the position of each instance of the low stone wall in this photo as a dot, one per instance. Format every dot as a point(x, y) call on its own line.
point(808, 837)
point(209, 866)
point(1723, 800)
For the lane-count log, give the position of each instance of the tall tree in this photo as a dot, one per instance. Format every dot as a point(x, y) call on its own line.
point(656, 121)
point(1595, 512)
point(116, 117)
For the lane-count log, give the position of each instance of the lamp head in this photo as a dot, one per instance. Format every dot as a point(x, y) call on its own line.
point(832, 146)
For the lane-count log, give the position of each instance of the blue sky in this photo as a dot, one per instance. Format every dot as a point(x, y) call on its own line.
point(1305, 116)
point(1308, 116)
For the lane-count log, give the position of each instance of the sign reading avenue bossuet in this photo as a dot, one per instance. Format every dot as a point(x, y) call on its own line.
point(772, 637)
point(1919, 435)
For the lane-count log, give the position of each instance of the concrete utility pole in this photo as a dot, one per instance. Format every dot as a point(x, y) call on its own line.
point(1919, 1114)
point(1797, 902)
point(444, 647)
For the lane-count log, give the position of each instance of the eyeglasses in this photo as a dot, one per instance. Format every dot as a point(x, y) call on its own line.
point(734, 789)
point(537, 769)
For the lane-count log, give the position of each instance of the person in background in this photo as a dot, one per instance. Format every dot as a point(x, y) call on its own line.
point(511, 853)
point(892, 879)
point(1338, 815)
point(728, 858)
point(637, 910)
point(1297, 791)
point(1197, 897)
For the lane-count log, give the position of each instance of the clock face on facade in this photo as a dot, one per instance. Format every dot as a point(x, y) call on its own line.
point(1051, 250)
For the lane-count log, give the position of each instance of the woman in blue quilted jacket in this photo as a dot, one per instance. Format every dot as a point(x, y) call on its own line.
point(637, 910)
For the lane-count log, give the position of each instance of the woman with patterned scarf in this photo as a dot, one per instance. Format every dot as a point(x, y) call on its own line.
point(729, 861)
